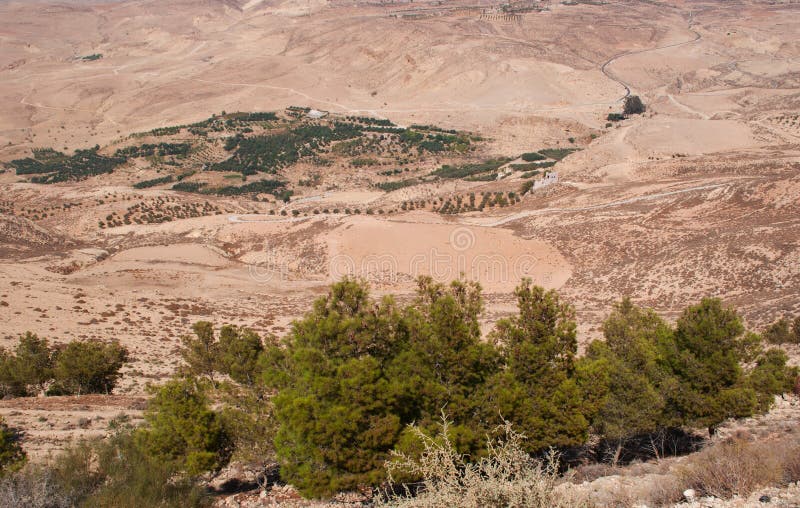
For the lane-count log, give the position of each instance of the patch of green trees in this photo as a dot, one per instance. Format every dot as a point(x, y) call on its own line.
point(633, 105)
point(275, 187)
point(336, 396)
point(370, 121)
point(146, 184)
point(783, 331)
point(150, 149)
point(354, 372)
point(270, 153)
point(436, 141)
point(54, 166)
point(74, 368)
point(468, 170)
point(557, 153)
point(705, 369)
point(189, 186)
point(397, 184)
point(532, 157)
point(258, 116)
point(182, 430)
point(432, 128)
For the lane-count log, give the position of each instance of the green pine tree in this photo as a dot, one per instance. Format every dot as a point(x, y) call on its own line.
point(538, 390)
point(201, 351)
point(182, 429)
point(238, 351)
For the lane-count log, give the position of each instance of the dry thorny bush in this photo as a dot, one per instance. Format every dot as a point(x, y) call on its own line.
point(738, 467)
point(506, 477)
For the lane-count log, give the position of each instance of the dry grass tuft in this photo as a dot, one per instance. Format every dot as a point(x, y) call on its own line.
point(592, 471)
point(506, 477)
point(665, 492)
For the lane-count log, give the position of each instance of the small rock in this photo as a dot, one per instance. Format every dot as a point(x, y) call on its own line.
point(764, 499)
point(689, 495)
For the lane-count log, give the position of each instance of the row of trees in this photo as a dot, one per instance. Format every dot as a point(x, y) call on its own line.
point(354, 372)
point(151, 149)
point(75, 368)
point(335, 398)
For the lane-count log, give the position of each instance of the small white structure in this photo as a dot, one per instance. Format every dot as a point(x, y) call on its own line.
point(317, 114)
point(549, 179)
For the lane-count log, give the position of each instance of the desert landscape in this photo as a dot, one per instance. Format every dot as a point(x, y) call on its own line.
point(163, 163)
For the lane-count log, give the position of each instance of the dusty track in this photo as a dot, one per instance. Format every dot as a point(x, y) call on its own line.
point(626, 86)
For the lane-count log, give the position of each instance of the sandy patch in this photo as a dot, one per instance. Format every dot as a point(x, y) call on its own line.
point(191, 254)
point(666, 136)
point(388, 252)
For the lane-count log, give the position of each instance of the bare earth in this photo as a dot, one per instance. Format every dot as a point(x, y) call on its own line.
point(699, 196)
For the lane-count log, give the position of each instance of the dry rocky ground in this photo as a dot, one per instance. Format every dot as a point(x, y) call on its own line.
point(699, 196)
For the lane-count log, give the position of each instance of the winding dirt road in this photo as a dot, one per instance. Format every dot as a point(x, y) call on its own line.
point(611, 76)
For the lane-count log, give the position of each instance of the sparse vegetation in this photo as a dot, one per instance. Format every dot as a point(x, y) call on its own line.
point(159, 210)
point(111, 473)
point(393, 390)
point(738, 466)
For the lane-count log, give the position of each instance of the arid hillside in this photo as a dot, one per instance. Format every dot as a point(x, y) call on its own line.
point(439, 138)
